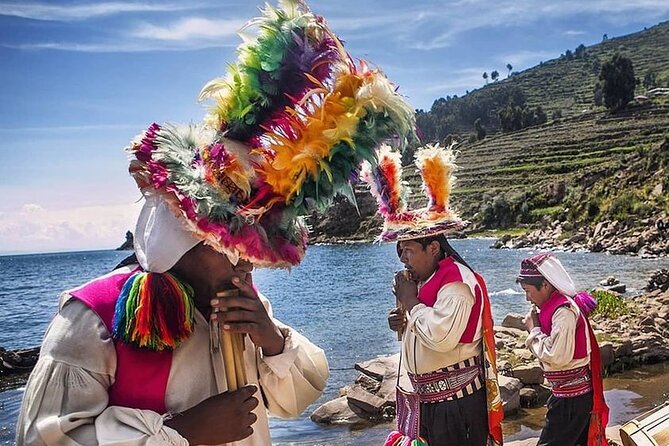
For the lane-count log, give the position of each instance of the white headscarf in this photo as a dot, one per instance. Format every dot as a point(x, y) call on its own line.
point(161, 238)
point(553, 271)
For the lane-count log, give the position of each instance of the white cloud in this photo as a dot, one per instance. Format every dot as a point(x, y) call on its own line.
point(43, 11)
point(34, 228)
point(121, 47)
point(468, 16)
point(574, 33)
point(189, 29)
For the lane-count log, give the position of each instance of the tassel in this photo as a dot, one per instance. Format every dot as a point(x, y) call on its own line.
point(585, 302)
point(154, 311)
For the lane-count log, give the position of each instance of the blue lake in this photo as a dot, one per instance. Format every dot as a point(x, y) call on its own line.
point(338, 297)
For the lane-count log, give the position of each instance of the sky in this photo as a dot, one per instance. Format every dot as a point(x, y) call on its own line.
point(79, 79)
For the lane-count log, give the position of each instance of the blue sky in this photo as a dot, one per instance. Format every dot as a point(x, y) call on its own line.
point(79, 79)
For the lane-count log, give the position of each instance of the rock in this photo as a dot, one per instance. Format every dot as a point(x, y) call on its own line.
point(611, 280)
point(380, 366)
point(522, 353)
point(528, 397)
point(367, 402)
point(18, 361)
point(514, 320)
point(529, 374)
point(510, 331)
point(623, 349)
point(620, 288)
point(606, 352)
point(336, 411)
point(510, 393)
point(368, 383)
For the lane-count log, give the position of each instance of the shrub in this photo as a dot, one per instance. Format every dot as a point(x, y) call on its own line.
point(609, 305)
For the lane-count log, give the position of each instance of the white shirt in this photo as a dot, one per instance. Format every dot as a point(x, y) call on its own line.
point(436, 331)
point(65, 402)
point(556, 351)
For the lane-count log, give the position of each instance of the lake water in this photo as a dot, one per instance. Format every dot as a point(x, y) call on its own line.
point(338, 297)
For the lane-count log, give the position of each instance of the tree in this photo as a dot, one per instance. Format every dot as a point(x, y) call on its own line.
point(480, 131)
point(509, 67)
point(605, 37)
point(619, 82)
point(494, 75)
point(568, 55)
point(579, 52)
point(599, 94)
point(485, 76)
point(650, 79)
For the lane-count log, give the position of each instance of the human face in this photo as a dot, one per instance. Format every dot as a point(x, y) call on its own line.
point(537, 295)
point(420, 262)
point(209, 271)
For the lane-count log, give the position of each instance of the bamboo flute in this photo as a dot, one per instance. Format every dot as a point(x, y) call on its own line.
point(233, 352)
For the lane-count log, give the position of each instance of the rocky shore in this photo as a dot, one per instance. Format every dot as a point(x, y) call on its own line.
point(650, 238)
point(631, 332)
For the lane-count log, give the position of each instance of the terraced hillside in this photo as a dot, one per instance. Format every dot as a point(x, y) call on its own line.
point(531, 173)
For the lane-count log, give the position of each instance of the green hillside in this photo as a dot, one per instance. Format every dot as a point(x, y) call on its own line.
point(564, 85)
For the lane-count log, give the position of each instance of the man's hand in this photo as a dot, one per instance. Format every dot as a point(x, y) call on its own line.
point(531, 319)
point(246, 314)
point(222, 418)
point(396, 320)
point(405, 290)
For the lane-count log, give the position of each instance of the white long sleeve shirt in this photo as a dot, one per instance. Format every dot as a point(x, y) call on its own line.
point(556, 351)
point(66, 400)
point(435, 331)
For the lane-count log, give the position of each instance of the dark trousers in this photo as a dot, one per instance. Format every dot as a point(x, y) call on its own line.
point(567, 421)
point(459, 422)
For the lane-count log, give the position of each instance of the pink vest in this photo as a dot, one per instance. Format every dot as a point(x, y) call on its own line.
point(141, 374)
point(549, 307)
point(449, 272)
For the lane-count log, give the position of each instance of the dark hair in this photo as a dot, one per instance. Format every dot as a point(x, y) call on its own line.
point(445, 248)
point(536, 282)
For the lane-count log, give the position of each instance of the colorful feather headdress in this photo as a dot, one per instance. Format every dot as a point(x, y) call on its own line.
point(436, 165)
point(288, 129)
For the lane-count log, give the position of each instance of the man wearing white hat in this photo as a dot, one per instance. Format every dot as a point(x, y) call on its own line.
point(563, 341)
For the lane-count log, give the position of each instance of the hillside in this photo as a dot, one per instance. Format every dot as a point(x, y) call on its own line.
point(564, 85)
point(588, 166)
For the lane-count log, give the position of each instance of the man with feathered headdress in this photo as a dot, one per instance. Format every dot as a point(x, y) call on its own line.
point(135, 357)
point(443, 311)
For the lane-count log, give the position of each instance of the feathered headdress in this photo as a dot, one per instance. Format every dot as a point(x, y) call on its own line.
point(288, 129)
point(436, 165)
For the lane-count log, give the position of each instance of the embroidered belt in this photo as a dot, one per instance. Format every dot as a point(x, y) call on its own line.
point(570, 383)
point(457, 381)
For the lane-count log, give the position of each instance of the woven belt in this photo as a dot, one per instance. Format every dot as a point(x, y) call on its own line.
point(462, 379)
point(570, 383)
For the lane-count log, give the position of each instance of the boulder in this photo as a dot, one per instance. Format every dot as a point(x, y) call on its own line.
point(606, 351)
point(510, 393)
point(362, 399)
point(529, 374)
point(380, 366)
point(514, 320)
point(336, 411)
point(510, 331)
